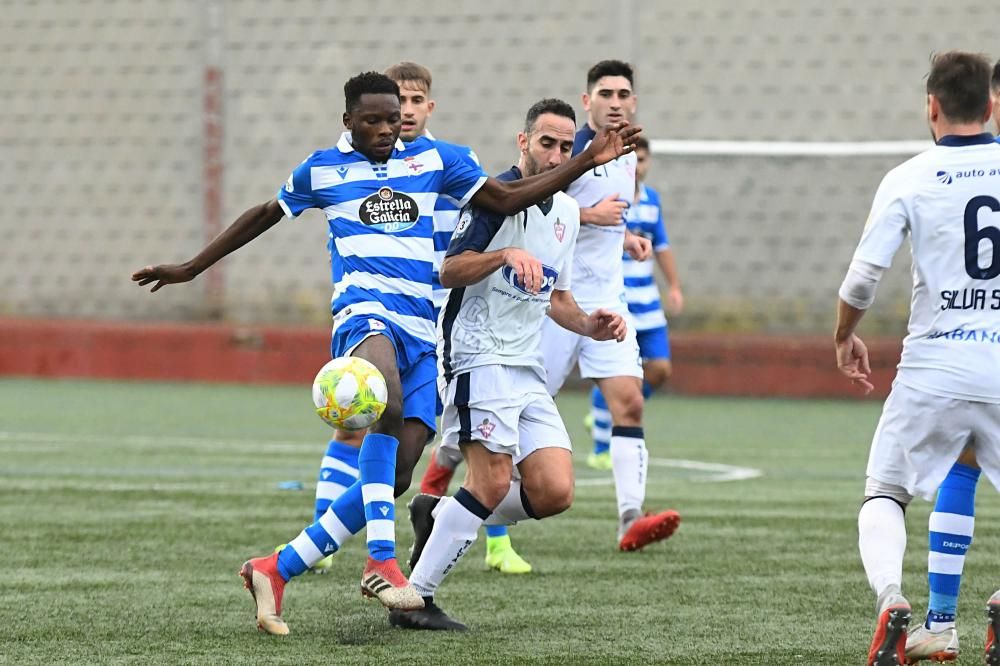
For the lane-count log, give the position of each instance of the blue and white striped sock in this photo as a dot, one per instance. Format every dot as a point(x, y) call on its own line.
point(377, 463)
point(601, 429)
point(951, 527)
point(338, 471)
point(344, 518)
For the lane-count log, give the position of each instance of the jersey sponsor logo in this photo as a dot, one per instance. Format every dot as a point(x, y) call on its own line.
point(560, 230)
point(549, 277)
point(389, 211)
point(486, 428)
point(412, 164)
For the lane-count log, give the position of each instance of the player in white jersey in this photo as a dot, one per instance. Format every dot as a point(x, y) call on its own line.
point(603, 193)
point(946, 395)
point(505, 273)
point(642, 295)
point(937, 638)
point(378, 195)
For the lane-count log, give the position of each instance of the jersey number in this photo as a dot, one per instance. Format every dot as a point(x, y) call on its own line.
point(974, 235)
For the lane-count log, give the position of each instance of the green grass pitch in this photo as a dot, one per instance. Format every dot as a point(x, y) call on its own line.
point(126, 510)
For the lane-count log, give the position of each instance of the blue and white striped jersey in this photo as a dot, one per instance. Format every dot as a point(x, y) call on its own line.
point(381, 223)
point(641, 291)
point(446, 212)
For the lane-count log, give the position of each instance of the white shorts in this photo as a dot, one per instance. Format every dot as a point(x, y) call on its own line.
point(505, 408)
point(920, 436)
point(563, 349)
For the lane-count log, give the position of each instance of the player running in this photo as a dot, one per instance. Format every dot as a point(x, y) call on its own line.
point(597, 273)
point(378, 195)
point(643, 218)
point(505, 272)
point(946, 395)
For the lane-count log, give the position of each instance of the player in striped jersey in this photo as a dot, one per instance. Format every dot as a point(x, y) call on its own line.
point(378, 196)
point(643, 218)
point(416, 105)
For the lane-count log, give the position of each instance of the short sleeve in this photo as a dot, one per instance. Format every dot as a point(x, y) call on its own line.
point(296, 195)
point(887, 225)
point(476, 228)
point(462, 175)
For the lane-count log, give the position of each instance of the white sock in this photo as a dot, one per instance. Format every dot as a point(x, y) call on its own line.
point(513, 508)
point(455, 529)
point(629, 462)
point(882, 542)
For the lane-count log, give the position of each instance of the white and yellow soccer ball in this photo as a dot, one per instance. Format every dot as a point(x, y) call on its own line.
point(349, 393)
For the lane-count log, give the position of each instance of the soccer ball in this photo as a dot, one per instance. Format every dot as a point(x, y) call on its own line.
point(349, 393)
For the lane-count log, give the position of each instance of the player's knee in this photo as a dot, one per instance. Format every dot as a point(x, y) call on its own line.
point(556, 498)
point(391, 422)
point(875, 488)
point(657, 372)
point(490, 491)
point(627, 409)
point(968, 458)
point(404, 477)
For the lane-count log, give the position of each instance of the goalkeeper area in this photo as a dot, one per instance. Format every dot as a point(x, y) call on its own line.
point(127, 509)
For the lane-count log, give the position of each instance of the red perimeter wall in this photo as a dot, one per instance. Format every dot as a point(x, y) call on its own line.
point(759, 365)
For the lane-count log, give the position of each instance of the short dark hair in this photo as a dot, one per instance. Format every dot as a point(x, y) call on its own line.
point(367, 83)
point(609, 68)
point(995, 82)
point(548, 105)
point(410, 71)
point(642, 143)
point(961, 83)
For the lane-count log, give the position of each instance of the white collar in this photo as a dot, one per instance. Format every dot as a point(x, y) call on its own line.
point(344, 143)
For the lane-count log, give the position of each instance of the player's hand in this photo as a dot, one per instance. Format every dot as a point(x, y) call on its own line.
point(675, 300)
point(527, 268)
point(163, 274)
point(638, 248)
point(613, 141)
point(606, 325)
point(608, 212)
point(852, 361)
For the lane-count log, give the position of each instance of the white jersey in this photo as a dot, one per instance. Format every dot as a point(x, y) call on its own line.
point(496, 321)
point(597, 263)
point(948, 200)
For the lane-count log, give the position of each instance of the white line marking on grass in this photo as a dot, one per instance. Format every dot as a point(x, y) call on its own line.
point(713, 472)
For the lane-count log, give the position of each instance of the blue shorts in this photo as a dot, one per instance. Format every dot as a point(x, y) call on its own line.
point(654, 343)
point(415, 360)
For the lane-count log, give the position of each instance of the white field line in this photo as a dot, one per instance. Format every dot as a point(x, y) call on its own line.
point(713, 472)
point(9, 440)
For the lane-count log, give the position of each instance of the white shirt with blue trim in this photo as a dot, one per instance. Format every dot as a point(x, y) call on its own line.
point(380, 218)
point(947, 200)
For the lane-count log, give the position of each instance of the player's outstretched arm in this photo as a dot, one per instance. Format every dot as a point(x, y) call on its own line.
point(252, 223)
point(470, 267)
point(675, 297)
point(509, 197)
point(600, 324)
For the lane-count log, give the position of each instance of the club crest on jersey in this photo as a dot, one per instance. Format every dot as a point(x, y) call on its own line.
point(560, 230)
point(549, 276)
point(412, 164)
point(389, 211)
point(486, 428)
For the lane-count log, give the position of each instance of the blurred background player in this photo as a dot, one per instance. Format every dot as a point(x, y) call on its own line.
point(597, 276)
point(950, 530)
point(946, 395)
point(643, 218)
point(507, 272)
